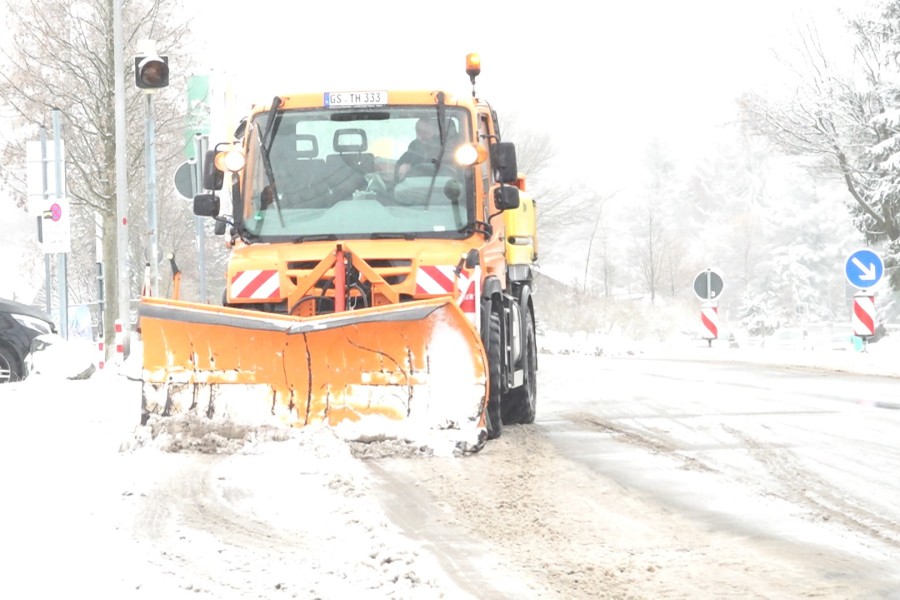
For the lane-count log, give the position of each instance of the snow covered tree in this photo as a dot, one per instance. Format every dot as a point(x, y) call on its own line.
point(847, 120)
point(878, 45)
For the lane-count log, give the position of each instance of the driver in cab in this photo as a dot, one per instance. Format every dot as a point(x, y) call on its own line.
point(423, 149)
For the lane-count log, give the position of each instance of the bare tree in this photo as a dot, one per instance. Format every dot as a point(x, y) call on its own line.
point(534, 150)
point(652, 238)
point(651, 243)
point(559, 204)
point(61, 56)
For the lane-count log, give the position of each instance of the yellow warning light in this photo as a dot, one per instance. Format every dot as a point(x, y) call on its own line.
point(473, 65)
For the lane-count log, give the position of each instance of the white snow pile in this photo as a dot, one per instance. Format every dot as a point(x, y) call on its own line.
point(55, 357)
point(189, 509)
point(190, 433)
point(193, 433)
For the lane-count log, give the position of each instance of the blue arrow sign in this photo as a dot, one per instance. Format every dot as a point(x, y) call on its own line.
point(864, 269)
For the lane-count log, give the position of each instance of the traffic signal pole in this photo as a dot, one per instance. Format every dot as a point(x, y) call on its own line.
point(150, 154)
point(151, 73)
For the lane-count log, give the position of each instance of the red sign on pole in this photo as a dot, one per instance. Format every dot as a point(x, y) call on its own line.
point(863, 314)
point(709, 318)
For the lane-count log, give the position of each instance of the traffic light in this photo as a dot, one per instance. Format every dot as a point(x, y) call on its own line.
point(151, 72)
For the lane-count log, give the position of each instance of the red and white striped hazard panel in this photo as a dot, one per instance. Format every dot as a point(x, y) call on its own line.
point(709, 318)
point(442, 279)
point(256, 285)
point(863, 315)
point(439, 279)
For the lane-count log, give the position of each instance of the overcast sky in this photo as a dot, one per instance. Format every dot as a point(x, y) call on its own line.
point(604, 80)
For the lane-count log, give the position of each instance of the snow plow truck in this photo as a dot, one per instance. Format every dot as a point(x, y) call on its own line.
point(380, 274)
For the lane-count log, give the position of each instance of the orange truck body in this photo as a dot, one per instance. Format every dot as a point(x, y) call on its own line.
point(378, 304)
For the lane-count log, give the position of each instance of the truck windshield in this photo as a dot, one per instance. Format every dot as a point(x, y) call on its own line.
point(385, 172)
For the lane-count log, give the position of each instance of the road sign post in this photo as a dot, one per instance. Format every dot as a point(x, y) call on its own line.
point(863, 315)
point(864, 269)
point(708, 286)
point(184, 179)
point(709, 319)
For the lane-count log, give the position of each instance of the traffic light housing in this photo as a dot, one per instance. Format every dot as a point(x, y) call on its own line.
point(151, 72)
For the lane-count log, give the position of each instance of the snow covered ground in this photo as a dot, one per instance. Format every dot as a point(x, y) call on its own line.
point(76, 467)
point(73, 483)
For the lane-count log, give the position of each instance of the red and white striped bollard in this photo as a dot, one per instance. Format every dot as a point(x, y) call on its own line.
point(863, 318)
point(120, 343)
point(709, 319)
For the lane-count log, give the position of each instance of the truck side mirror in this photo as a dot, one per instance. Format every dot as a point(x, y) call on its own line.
point(503, 162)
point(206, 205)
point(213, 177)
point(506, 197)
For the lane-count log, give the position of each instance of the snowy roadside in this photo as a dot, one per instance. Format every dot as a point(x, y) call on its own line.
point(180, 512)
point(877, 359)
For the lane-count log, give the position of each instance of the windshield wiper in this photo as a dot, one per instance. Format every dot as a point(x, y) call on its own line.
point(265, 144)
point(247, 236)
point(392, 236)
point(442, 137)
point(316, 237)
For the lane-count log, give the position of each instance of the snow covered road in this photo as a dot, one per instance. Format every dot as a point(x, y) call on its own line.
point(641, 478)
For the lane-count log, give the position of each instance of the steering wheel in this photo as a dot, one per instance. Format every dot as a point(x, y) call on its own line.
point(375, 183)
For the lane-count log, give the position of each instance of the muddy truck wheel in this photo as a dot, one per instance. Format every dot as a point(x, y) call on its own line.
point(520, 404)
point(494, 356)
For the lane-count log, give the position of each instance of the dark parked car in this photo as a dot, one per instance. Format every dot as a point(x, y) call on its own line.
point(19, 324)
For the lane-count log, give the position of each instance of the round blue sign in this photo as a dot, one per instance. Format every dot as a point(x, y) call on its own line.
point(864, 268)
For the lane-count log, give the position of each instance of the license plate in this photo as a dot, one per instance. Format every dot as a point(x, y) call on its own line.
point(342, 99)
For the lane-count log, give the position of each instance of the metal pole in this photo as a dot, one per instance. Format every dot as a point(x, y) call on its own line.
point(150, 150)
point(197, 179)
point(46, 193)
point(122, 274)
point(709, 284)
point(98, 259)
point(62, 284)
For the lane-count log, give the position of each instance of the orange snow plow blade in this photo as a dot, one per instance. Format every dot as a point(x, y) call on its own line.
point(383, 372)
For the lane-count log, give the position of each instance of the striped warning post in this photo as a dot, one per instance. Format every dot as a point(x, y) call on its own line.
point(709, 319)
point(863, 315)
point(120, 343)
point(101, 355)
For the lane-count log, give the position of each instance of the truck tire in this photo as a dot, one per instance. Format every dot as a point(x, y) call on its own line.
point(494, 356)
point(520, 404)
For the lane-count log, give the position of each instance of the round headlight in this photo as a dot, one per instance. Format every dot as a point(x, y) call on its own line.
point(470, 154)
point(230, 160)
